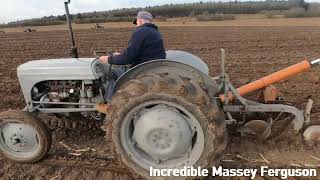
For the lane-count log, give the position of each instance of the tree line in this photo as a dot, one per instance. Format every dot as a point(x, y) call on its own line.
point(167, 11)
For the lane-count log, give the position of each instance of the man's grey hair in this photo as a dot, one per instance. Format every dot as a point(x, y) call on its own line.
point(146, 16)
point(146, 21)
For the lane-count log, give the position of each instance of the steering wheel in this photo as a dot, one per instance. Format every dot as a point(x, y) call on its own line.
point(105, 79)
point(97, 54)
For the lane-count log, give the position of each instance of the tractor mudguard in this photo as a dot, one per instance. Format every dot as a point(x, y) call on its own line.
point(187, 58)
point(171, 67)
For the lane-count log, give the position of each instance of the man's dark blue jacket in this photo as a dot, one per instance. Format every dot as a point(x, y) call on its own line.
point(145, 44)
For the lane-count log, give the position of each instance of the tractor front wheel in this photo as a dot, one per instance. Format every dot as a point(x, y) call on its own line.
point(22, 137)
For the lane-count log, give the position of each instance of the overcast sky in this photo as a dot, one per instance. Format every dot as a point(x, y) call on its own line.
point(11, 10)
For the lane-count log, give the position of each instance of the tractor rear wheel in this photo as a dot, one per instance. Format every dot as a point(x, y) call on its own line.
point(22, 137)
point(166, 121)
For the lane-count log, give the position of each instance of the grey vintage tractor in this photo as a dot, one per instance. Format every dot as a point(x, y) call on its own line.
point(166, 113)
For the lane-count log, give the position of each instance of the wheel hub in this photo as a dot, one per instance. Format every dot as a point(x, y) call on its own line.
point(163, 133)
point(17, 140)
point(160, 139)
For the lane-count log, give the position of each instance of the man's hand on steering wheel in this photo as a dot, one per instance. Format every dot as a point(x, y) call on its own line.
point(105, 59)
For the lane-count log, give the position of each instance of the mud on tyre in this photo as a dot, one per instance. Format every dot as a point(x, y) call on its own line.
point(176, 101)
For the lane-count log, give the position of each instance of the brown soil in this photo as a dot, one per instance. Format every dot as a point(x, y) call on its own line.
point(241, 20)
point(252, 52)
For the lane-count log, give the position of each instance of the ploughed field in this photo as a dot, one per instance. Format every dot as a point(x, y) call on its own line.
point(252, 52)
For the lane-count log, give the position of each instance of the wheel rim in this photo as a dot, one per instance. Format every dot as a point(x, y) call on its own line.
point(146, 160)
point(18, 139)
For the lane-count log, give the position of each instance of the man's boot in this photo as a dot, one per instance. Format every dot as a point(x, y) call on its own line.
point(102, 107)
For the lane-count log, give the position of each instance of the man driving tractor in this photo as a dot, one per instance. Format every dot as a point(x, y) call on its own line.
point(145, 44)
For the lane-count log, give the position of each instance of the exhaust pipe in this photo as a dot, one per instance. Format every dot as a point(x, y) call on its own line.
point(74, 50)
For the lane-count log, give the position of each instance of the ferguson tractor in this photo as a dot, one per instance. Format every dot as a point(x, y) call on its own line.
point(166, 113)
point(29, 30)
point(98, 26)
